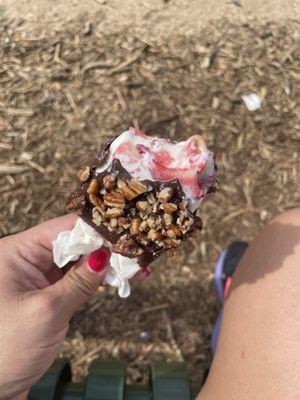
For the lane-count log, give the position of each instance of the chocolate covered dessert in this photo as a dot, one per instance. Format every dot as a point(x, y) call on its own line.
point(142, 193)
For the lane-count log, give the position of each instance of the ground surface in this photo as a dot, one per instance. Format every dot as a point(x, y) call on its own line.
point(74, 83)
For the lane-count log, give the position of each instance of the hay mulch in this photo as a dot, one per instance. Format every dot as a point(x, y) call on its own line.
point(59, 94)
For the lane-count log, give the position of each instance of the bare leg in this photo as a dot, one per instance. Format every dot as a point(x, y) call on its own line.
point(258, 352)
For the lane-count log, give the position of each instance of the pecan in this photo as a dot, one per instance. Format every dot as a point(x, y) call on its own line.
point(114, 212)
point(131, 188)
point(168, 219)
point(134, 227)
point(83, 174)
point(153, 234)
point(188, 222)
point(144, 226)
point(142, 238)
point(182, 205)
point(109, 182)
point(173, 232)
point(166, 194)
point(137, 186)
point(123, 223)
point(126, 190)
point(151, 222)
point(113, 222)
point(151, 198)
point(127, 246)
point(142, 205)
point(76, 203)
point(171, 243)
point(114, 199)
point(97, 219)
point(169, 208)
point(95, 200)
point(155, 208)
point(94, 187)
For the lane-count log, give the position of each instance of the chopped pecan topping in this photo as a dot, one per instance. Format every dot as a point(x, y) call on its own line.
point(113, 223)
point(142, 205)
point(114, 199)
point(151, 222)
point(83, 174)
point(134, 227)
point(153, 235)
point(173, 232)
point(109, 182)
point(96, 217)
point(137, 186)
point(94, 187)
point(169, 208)
point(172, 242)
point(114, 212)
point(168, 219)
point(126, 191)
point(166, 194)
point(123, 223)
point(127, 246)
point(144, 226)
point(95, 200)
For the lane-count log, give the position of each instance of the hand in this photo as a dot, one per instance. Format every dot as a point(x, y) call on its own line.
point(37, 302)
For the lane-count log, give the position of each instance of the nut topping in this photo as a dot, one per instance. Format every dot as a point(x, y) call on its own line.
point(83, 174)
point(169, 208)
point(144, 226)
point(97, 219)
point(114, 199)
point(151, 222)
point(94, 187)
point(154, 235)
point(95, 200)
point(137, 186)
point(126, 191)
point(166, 194)
point(114, 212)
point(109, 182)
point(173, 232)
point(172, 242)
point(113, 222)
point(168, 219)
point(123, 223)
point(142, 205)
point(134, 228)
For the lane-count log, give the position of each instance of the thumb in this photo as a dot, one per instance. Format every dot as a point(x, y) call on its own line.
point(80, 282)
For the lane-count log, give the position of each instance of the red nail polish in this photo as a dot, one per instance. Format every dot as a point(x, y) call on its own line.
point(98, 259)
point(146, 272)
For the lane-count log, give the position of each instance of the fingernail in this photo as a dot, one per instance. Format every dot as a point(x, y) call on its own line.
point(98, 259)
point(146, 272)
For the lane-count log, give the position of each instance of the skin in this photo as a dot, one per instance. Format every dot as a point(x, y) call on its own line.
point(37, 303)
point(258, 352)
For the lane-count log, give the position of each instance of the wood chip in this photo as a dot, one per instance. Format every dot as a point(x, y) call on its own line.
point(7, 169)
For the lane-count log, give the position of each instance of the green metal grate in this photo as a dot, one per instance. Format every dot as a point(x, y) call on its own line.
point(106, 381)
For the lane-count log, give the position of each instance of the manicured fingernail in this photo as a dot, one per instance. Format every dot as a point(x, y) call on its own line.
point(98, 259)
point(146, 272)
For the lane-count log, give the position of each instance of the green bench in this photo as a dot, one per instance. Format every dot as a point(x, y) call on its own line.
point(106, 381)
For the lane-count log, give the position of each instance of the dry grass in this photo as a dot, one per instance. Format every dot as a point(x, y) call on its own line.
point(61, 93)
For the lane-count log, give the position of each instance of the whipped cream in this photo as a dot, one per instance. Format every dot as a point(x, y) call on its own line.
point(159, 159)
